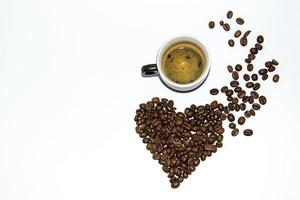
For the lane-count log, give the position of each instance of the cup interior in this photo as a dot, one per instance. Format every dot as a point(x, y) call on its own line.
point(169, 82)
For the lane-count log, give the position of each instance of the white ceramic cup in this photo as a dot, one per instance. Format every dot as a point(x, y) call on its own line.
point(156, 69)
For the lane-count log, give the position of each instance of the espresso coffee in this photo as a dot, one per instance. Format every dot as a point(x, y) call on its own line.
point(183, 62)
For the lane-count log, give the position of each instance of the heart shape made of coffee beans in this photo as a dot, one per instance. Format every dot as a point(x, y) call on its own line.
point(180, 140)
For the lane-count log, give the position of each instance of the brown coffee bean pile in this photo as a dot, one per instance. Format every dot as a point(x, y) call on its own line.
point(180, 141)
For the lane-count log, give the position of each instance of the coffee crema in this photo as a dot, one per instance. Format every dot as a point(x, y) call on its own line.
point(183, 62)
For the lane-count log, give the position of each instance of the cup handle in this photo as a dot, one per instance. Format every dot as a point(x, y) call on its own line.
point(149, 70)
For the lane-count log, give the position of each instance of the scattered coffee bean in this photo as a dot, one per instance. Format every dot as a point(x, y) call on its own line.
point(252, 112)
point(254, 77)
point(247, 114)
point(229, 92)
point(241, 120)
point(229, 68)
point(247, 60)
point(255, 106)
point(237, 34)
point(224, 89)
point(235, 75)
point(231, 42)
point(229, 14)
point(265, 77)
point(247, 33)
point(214, 91)
point(226, 27)
point(251, 56)
point(211, 24)
point(248, 132)
point(243, 106)
point(229, 98)
point(249, 84)
point(276, 78)
point(243, 41)
point(260, 39)
point(258, 46)
point(251, 100)
point(240, 21)
point(235, 100)
point(271, 69)
point(256, 86)
point(249, 67)
point(262, 71)
point(237, 89)
point(238, 67)
point(241, 94)
point(253, 51)
point(268, 64)
point(221, 23)
point(230, 117)
point(275, 62)
point(234, 83)
point(235, 132)
point(232, 125)
point(262, 100)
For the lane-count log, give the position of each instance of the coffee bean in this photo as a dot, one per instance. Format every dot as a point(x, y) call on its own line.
point(262, 100)
point(221, 23)
point(235, 132)
point(251, 56)
point(260, 39)
point(229, 14)
point(235, 75)
point(241, 94)
point(275, 62)
point(238, 67)
point(211, 24)
point(229, 98)
point(251, 100)
point(262, 71)
point(214, 91)
point(247, 114)
point(254, 94)
point(213, 105)
point(254, 77)
point(243, 41)
point(224, 89)
point(230, 117)
point(248, 132)
point(243, 106)
point(234, 83)
point(230, 68)
point(268, 64)
point(271, 69)
point(245, 99)
point(247, 33)
point(175, 184)
point(253, 51)
point(237, 89)
point(237, 34)
point(246, 77)
point(256, 86)
point(255, 106)
point(231, 43)
point(240, 21)
point(235, 100)
point(258, 46)
point(249, 67)
point(241, 120)
point(229, 92)
point(226, 27)
point(249, 84)
point(276, 78)
point(232, 125)
point(265, 77)
point(252, 112)
point(247, 60)
point(155, 100)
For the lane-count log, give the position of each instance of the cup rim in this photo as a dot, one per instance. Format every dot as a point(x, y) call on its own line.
point(186, 86)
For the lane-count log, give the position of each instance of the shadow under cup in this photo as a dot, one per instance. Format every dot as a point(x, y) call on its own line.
point(157, 69)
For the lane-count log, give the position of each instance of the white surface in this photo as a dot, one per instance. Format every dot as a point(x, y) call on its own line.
point(70, 83)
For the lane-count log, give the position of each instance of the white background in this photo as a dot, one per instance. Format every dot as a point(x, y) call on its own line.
point(70, 83)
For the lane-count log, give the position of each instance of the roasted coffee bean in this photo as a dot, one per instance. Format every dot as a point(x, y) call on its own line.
point(254, 94)
point(226, 27)
point(252, 112)
point(220, 107)
point(258, 46)
point(214, 91)
point(234, 83)
point(235, 100)
point(262, 71)
point(245, 99)
point(246, 33)
point(221, 23)
point(232, 125)
point(224, 89)
point(253, 51)
point(256, 86)
point(238, 67)
point(268, 64)
point(241, 94)
point(230, 117)
point(265, 77)
point(251, 56)
point(243, 106)
point(276, 78)
point(211, 24)
point(237, 34)
point(255, 106)
point(214, 105)
point(226, 109)
point(229, 92)
point(235, 75)
point(229, 14)
point(247, 60)
point(271, 69)
point(275, 62)
point(155, 100)
point(243, 41)
point(237, 107)
point(241, 120)
point(229, 98)
point(237, 89)
point(239, 21)
point(175, 183)
point(254, 77)
point(235, 132)
point(170, 104)
point(230, 68)
point(251, 100)
point(247, 114)
point(246, 77)
point(260, 39)
point(231, 42)
point(249, 67)
point(249, 84)
point(248, 132)
point(262, 100)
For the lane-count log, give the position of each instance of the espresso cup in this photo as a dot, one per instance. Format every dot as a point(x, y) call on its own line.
point(152, 70)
